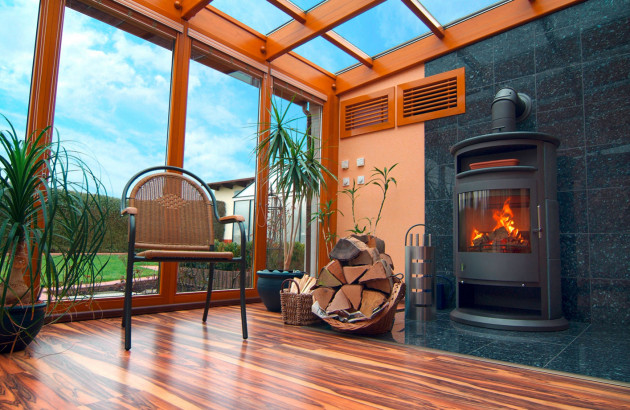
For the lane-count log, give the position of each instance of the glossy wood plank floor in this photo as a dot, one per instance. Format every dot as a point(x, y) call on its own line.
point(177, 362)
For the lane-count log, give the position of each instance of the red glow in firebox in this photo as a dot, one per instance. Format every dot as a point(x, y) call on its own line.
point(504, 232)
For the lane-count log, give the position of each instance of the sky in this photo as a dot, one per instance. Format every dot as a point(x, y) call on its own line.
point(113, 91)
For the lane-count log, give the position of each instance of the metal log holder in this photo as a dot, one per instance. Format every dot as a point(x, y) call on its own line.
point(420, 278)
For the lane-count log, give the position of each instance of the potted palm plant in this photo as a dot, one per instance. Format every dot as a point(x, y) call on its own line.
point(295, 174)
point(52, 223)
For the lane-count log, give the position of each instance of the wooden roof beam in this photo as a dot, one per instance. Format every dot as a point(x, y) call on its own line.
point(190, 7)
point(348, 47)
point(423, 14)
point(291, 9)
point(319, 20)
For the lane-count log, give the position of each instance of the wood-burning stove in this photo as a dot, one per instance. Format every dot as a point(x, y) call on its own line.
point(506, 226)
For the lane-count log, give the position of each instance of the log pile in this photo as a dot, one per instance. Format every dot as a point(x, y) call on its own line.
point(358, 281)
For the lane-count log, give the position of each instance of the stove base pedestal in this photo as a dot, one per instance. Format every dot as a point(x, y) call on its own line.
point(494, 320)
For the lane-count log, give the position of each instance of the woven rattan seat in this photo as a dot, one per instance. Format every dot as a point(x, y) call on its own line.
point(171, 214)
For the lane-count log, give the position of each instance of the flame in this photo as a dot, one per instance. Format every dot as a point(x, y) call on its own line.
point(504, 218)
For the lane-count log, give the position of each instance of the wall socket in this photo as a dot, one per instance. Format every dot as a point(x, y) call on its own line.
point(345, 182)
point(344, 164)
point(360, 162)
point(360, 180)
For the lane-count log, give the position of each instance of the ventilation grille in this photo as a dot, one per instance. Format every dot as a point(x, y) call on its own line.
point(368, 113)
point(432, 97)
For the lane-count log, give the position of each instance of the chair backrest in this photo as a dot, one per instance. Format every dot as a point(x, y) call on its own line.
point(174, 212)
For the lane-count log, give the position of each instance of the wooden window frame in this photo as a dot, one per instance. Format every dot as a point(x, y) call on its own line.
point(389, 123)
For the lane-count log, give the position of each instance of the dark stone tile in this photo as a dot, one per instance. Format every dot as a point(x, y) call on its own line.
point(559, 88)
point(607, 166)
point(571, 170)
point(437, 144)
point(596, 333)
point(477, 60)
point(610, 258)
point(514, 53)
point(443, 254)
point(574, 255)
point(442, 64)
point(560, 19)
point(516, 337)
point(558, 48)
point(606, 39)
point(565, 123)
point(576, 299)
point(597, 12)
point(439, 217)
point(609, 211)
point(527, 353)
point(438, 123)
point(478, 104)
point(607, 122)
point(604, 360)
point(573, 214)
point(474, 130)
point(439, 180)
point(606, 80)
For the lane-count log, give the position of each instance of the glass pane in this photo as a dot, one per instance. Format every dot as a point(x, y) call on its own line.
point(18, 28)
point(112, 104)
point(325, 54)
point(221, 115)
point(382, 27)
point(289, 236)
point(496, 220)
point(446, 12)
point(259, 15)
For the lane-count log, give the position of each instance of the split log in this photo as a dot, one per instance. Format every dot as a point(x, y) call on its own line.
point(345, 250)
point(372, 242)
point(376, 271)
point(340, 302)
point(327, 279)
point(335, 268)
point(384, 285)
point(323, 296)
point(365, 257)
point(370, 300)
point(353, 293)
point(353, 273)
point(387, 259)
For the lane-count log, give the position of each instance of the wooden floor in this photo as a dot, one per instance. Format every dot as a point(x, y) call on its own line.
point(177, 362)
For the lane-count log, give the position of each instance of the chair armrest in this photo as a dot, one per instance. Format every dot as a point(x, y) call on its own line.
point(231, 219)
point(130, 210)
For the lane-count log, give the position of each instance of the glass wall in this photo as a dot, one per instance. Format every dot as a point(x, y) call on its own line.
point(18, 27)
point(221, 124)
point(113, 107)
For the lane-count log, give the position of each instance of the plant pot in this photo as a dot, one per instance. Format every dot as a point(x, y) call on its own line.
point(20, 325)
point(268, 286)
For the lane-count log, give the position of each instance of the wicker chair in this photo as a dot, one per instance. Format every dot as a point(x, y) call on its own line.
point(170, 214)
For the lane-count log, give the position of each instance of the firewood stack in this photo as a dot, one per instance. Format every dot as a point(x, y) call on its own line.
point(358, 281)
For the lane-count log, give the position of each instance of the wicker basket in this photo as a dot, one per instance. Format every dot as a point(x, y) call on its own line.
point(382, 322)
point(296, 307)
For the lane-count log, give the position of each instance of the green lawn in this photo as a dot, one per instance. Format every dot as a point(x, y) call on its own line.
point(116, 267)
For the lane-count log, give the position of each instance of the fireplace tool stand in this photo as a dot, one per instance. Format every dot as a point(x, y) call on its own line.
point(419, 276)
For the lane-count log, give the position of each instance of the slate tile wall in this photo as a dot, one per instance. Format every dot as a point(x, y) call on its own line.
point(575, 65)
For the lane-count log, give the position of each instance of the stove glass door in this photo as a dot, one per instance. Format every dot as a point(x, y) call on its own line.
point(495, 221)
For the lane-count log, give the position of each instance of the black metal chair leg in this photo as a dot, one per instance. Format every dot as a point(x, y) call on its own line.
point(243, 309)
point(208, 293)
point(126, 321)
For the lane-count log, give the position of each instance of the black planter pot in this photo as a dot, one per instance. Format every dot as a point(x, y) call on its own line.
point(20, 325)
point(269, 283)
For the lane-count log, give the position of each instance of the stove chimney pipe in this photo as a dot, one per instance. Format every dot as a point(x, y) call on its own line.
point(509, 107)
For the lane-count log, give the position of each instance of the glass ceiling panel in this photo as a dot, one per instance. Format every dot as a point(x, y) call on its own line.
point(446, 12)
point(262, 16)
point(382, 27)
point(306, 4)
point(325, 55)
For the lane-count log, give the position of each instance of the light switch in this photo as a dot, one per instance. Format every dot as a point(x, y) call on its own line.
point(344, 164)
point(360, 162)
point(360, 180)
point(346, 181)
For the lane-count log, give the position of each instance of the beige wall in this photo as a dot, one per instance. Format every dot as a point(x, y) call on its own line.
point(405, 203)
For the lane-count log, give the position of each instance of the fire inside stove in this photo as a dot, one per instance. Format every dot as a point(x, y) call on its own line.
point(495, 221)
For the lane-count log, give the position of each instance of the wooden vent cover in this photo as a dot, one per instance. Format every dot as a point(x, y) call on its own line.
point(367, 113)
point(432, 97)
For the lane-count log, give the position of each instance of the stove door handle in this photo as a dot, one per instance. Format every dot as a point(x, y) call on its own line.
point(540, 228)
